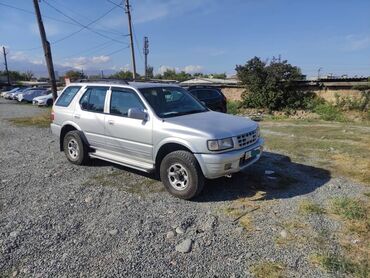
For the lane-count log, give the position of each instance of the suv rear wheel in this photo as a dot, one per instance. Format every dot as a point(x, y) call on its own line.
point(74, 148)
point(181, 174)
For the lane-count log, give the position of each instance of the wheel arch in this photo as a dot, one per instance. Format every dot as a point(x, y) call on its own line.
point(167, 148)
point(67, 128)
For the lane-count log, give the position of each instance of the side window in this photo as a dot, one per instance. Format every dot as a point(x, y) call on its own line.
point(67, 96)
point(122, 101)
point(93, 99)
point(207, 94)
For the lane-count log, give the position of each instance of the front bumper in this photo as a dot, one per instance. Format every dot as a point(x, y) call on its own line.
point(214, 165)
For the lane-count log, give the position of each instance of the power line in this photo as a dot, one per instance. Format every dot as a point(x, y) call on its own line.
point(77, 22)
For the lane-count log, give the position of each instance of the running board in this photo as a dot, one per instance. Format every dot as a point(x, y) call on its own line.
point(117, 159)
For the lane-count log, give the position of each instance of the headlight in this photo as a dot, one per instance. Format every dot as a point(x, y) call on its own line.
point(222, 144)
point(258, 132)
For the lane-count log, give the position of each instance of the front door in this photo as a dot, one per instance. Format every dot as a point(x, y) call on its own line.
point(131, 138)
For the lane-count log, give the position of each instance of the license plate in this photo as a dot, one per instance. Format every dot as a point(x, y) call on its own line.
point(252, 153)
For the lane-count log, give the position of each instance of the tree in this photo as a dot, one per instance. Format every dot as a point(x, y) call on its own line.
point(28, 75)
point(123, 74)
point(74, 75)
point(150, 72)
point(272, 84)
point(217, 75)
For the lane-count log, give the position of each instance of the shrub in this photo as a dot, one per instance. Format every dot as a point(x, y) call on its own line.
point(233, 106)
point(272, 85)
point(329, 112)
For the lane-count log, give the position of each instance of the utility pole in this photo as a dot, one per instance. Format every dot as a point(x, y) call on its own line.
point(47, 50)
point(318, 73)
point(146, 52)
point(6, 65)
point(127, 10)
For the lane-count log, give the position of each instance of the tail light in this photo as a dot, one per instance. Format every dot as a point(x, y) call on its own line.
point(52, 114)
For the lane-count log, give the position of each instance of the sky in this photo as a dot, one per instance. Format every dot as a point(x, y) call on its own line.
point(209, 36)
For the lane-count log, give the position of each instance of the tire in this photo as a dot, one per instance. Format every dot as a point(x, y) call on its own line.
point(181, 175)
point(75, 149)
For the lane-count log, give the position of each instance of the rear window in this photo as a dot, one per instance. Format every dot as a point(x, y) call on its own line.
point(93, 100)
point(205, 94)
point(67, 96)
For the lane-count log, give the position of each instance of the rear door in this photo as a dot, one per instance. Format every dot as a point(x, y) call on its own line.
point(89, 115)
point(131, 138)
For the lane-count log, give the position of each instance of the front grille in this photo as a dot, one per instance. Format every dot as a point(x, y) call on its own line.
point(246, 139)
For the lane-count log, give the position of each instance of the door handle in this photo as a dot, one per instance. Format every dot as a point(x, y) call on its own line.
point(77, 116)
point(111, 122)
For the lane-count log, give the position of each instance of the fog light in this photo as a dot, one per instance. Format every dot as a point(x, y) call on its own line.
point(228, 166)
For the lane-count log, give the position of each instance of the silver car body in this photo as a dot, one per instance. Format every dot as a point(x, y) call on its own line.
point(30, 95)
point(136, 143)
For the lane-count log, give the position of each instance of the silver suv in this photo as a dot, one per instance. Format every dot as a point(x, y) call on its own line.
point(154, 127)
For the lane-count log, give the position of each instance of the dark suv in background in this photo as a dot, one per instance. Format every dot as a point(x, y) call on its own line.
point(213, 98)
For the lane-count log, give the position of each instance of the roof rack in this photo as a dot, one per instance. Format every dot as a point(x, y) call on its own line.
point(103, 80)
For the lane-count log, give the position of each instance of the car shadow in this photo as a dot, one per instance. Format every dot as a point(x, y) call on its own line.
point(274, 174)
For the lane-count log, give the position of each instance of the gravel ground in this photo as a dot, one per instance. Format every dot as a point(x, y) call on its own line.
point(61, 220)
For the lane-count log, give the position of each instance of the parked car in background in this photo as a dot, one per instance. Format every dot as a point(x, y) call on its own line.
point(154, 127)
point(29, 95)
point(23, 90)
point(46, 100)
point(212, 97)
point(10, 91)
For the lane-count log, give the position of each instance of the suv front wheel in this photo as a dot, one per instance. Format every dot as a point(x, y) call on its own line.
point(74, 148)
point(181, 174)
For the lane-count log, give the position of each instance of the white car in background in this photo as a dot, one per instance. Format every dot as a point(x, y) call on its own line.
point(31, 94)
point(44, 100)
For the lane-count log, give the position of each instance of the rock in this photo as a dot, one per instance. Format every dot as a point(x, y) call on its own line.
point(180, 230)
point(209, 224)
point(184, 246)
point(170, 234)
point(15, 273)
point(248, 255)
point(113, 232)
point(283, 234)
point(269, 172)
point(272, 178)
point(14, 234)
point(239, 230)
point(88, 199)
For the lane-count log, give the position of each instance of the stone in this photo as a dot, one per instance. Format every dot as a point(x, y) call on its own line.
point(184, 246)
point(15, 273)
point(14, 234)
point(170, 234)
point(209, 224)
point(284, 234)
point(88, 199)
point(113, 232)
point(239, 230)
point(180, 230)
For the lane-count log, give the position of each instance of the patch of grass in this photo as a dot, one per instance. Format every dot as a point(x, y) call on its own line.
point(309, 207)
point(233, 107)
point(267, 269)
point(349, 209)
point(367, 194)
point(41, 120)
point(297, 233)
point(336, 264)
point(329, 112)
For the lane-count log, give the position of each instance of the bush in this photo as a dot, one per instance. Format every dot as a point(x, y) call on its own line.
point(329, 112)
point(233, 106)
point(272, 85)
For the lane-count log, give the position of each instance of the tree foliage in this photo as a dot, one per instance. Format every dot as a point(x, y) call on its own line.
point(74, 75)
point(272, 84)
point(123, 74)
point(18, 76)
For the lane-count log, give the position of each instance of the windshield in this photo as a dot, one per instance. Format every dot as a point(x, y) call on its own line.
point(172, 101)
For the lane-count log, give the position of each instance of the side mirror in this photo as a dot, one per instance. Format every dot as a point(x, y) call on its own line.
point(136, 113)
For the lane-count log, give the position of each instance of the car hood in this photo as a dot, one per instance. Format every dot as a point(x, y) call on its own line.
point(212, 124)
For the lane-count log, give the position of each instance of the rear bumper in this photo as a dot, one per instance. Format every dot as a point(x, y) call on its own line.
point(55, 129)
point(214, 165)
